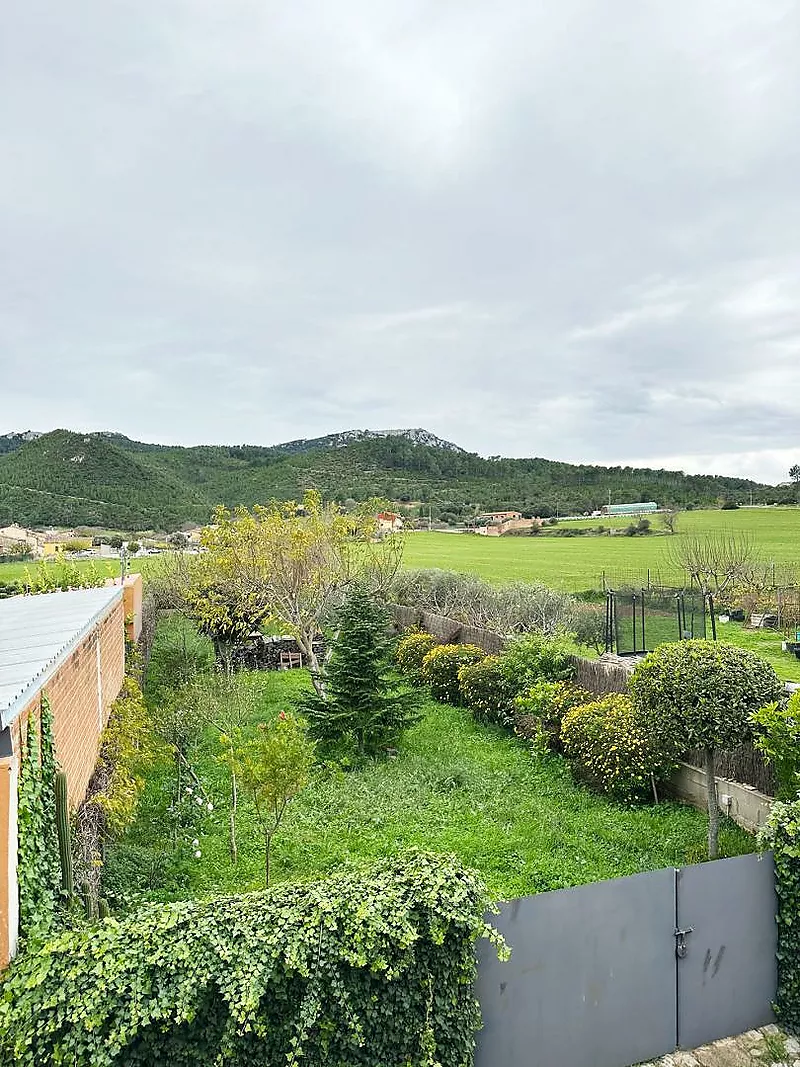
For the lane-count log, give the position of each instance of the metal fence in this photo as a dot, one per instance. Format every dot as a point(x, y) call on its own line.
point(614, 973)
point(640, 620)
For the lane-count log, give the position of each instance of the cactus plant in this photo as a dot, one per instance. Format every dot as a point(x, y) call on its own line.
point(64, 837)
point(103, 910)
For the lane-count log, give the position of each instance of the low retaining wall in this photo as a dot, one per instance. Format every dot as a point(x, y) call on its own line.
point(745, 805)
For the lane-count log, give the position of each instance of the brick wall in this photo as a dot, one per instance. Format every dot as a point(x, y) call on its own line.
point(81, 692)
point(80, 706)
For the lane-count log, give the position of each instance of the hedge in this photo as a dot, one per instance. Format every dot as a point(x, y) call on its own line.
point(412, 648)
point(373, 969)
point(486, 690)
point(781, 833)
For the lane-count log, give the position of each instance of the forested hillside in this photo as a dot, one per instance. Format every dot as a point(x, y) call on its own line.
point(106, 479)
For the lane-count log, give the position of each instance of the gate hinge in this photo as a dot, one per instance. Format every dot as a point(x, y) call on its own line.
point(680, 941)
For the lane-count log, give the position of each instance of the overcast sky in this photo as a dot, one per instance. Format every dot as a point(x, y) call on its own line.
point(564, 229)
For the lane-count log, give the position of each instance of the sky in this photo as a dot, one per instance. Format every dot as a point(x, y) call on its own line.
point(568, 230)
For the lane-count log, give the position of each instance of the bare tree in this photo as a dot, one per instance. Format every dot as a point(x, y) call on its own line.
point(715, 562)
point(669, 519)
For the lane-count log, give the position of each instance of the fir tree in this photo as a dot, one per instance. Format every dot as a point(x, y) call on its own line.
point(365, 705)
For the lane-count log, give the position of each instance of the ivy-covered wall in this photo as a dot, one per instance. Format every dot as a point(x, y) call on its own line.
point(373, 968)
point(782, 835)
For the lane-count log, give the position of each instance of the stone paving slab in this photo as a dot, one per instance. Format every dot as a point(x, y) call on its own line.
point(767, 1047)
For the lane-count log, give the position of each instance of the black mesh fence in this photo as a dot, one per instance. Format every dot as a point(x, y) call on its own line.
point(640, 620)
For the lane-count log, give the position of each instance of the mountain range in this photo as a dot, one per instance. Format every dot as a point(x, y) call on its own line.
point(108, 480)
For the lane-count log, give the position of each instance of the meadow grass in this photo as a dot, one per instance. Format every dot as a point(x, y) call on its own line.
point(454, 786)
point(579, 563)
point(12, 572)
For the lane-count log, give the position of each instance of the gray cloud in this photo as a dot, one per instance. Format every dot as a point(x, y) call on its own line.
point(568, 231)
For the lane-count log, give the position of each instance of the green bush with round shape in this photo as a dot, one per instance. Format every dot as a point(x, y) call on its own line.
point(539, 711)
point(532, 658)
point(441, 666)
point(702, 694)
point(373, 967)
point(612, 748)
point(486, 691)
point(412, 648)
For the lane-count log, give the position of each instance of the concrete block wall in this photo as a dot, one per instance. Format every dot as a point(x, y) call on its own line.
point(745, 805)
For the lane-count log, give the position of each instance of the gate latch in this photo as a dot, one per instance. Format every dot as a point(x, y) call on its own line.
point(680, 941)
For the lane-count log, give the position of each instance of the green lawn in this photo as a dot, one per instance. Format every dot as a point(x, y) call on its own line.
point(578, 563)
point(455, 786)
point(767, 643)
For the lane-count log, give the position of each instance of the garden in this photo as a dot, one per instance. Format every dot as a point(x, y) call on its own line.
point(449, 784)
point(385, 793)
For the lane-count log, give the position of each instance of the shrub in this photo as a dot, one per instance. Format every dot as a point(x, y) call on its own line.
point(441, 666)
point(701, 694)
point(50, 577)
point(612, 748)
point(375, 968)
point(777, 736)
point(589, 625)
point(514, 607)
point(411, 650)
point(486, 691)
point(127, 746)
point(532, 658)
point(540, 710)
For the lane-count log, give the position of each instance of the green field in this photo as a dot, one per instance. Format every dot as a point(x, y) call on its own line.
point(12, 572)
point(579, 563)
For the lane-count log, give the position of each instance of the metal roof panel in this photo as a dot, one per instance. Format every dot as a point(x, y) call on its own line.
point(37, 633)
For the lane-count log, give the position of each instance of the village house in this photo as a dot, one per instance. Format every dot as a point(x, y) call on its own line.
point(500, 516)
point(497, 523)
point(389, 522)
point(16, 538)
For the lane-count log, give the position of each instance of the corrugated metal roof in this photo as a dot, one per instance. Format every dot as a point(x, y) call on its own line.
point(37, 633)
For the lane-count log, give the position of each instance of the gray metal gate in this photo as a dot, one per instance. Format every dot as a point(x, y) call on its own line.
point(728, 975)
point(601, 975)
